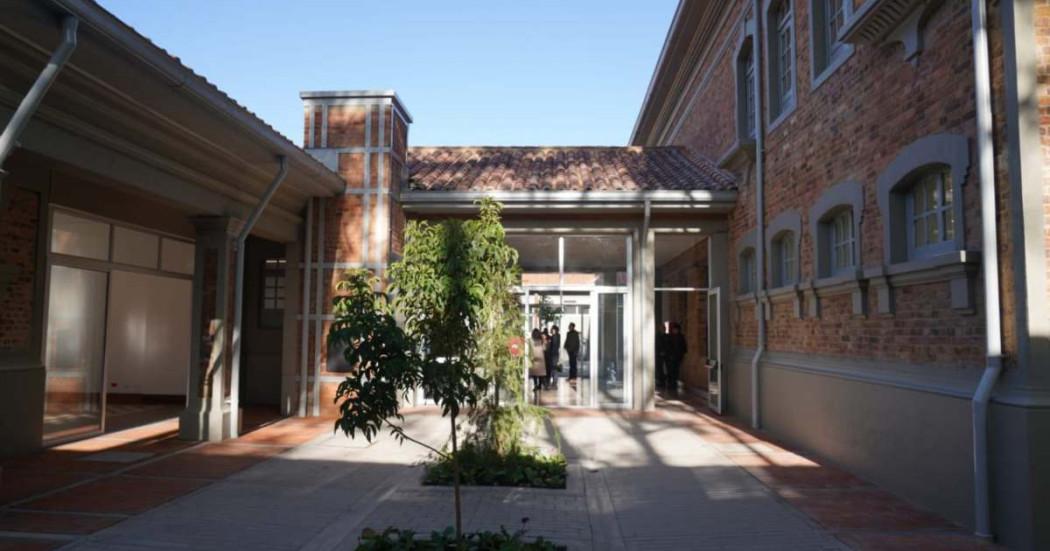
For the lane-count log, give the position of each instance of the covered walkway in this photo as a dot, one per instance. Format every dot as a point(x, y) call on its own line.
point(676, 478)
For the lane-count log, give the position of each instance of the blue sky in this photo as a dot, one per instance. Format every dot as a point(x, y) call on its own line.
point(570, 72)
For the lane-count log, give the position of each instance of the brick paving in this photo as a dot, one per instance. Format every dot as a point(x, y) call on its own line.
point(677, 478)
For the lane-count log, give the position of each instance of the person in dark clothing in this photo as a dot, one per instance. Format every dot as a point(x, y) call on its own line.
point(572, 348)
point(552, 356)
point(675, 352)
point(661, 355)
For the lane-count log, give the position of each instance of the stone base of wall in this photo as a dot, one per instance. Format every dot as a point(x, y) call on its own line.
point(914, 442)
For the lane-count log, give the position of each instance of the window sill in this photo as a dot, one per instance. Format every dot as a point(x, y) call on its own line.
point(782, 293)
point(850, 283)
point(746, 297)
point(782, 116)
point(958, 268)
point(839, 60)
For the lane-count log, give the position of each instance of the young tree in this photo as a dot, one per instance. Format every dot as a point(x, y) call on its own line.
point(453, 292)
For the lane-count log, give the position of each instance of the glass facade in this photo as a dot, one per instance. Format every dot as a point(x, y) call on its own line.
point(580, 285)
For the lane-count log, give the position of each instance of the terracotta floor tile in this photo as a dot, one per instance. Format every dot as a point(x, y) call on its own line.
point(54, 523)
point(286, 433)
point(864, 510)
point(16, 484)
point(117, 494)
point(211, 461)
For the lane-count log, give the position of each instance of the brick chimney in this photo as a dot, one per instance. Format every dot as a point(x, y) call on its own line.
point(362, 135)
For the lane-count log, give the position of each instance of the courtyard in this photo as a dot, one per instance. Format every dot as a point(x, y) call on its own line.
point(675, 478)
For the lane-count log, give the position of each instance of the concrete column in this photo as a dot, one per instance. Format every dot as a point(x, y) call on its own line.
point(644, 321)
point(207, 410)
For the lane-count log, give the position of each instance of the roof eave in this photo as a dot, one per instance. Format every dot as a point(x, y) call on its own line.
point(716, 201)
point(667, 65)
point(105, 24)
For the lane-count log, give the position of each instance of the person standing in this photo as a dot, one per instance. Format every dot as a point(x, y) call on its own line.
point(676, 350)
point(572, 348)
point(660, 346)
point(553, 349)
point(537, 361)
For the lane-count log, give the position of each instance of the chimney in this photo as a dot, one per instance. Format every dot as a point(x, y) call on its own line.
point(363, 136)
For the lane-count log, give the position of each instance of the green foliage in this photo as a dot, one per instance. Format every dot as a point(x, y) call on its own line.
point(453, 294)
point(387, 365)
point(392, 539)
point(547, 312)
point(486, 467)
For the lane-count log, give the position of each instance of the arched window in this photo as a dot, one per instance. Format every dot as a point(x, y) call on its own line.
point(745, 97)
point(827, 17)
point(748, 271)
point(920, 199)
point(841, 241)
point(835, 227)
point(929, 213)
point(780, 28)
point(785, 260)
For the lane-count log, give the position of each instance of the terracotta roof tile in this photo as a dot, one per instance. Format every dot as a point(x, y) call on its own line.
point(563, 169)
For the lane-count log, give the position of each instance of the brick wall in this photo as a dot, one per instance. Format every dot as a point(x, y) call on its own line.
point(18, 268)
point(849, 128)
point(361, 227)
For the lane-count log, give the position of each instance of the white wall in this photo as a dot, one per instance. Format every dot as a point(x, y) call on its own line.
point(148, 334)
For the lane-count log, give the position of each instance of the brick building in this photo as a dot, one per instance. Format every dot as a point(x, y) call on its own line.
point(808, 193)
point(864, 327)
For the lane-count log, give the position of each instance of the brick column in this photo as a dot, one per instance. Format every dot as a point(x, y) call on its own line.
point(362, 135)
point(206, 416)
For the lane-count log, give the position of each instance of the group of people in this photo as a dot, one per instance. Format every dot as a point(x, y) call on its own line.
point(545, 356)
point(670, 351)
point(546, 344)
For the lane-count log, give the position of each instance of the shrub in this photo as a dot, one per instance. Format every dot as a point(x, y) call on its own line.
point(393, 539)
point(480, 466)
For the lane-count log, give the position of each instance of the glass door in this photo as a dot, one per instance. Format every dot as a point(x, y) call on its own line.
point(75, 352)
point(611, 350)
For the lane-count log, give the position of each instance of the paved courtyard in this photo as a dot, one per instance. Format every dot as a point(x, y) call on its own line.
point(674, 479)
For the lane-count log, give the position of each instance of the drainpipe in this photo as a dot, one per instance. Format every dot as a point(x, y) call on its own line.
point(760, 216)
point(990, 261)
point(643, 242)
point(32, 99)
point(307, 259)
point(238, 295)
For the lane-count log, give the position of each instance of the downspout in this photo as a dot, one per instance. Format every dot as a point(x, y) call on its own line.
point(647, 332)
point(20, 119)
point(307, 259)
point(990, 261)
point(238, 295)
point(760, 218)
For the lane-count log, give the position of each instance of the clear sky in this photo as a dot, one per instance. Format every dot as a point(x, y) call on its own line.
point(486, 72)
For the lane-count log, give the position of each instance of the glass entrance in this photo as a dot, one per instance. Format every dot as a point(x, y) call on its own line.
point(611, 349)
point(75, 352)
point(580, 285)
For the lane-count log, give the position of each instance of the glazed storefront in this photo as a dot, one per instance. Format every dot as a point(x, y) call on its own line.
point(616, 265)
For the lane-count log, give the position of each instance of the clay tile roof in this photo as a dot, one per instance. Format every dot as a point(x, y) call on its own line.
point(563, 169)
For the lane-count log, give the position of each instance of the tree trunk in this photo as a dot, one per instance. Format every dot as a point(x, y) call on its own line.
point(455, 485)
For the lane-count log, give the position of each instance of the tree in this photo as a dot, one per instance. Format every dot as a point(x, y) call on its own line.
point(453, 292)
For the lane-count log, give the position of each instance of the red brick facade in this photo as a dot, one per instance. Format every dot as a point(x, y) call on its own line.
point(18, 268)
point(847, 128)
point(366, 137)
